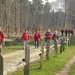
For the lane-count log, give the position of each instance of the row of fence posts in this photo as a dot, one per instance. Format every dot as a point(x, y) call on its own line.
point(27, 59)
point(69, 39)
point(62, 45)
point(27, 53)
point(66, 41)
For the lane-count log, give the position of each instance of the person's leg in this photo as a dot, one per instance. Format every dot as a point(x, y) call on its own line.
point(35, 44)
point(56, 49)
point(62, 34)
point(24, 43)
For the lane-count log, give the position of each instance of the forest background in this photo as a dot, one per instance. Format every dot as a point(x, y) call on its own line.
point(18, 15)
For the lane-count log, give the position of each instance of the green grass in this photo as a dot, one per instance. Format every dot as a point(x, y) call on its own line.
point(72, 71)
point(18, 73)
point(9, 49)
point(13, 48)
point(54, 65)
point(32, 43)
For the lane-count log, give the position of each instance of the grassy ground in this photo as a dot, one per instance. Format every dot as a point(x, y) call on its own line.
point(72, 71)
point(54, 65)
point(13, 48)
point(9, 49)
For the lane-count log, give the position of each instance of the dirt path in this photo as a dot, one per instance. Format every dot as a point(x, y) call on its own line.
point(13, 61)
point(67, 67)
point(17, 60)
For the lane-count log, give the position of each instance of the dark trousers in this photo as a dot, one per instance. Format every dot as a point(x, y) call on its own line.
point(36, 44)
point(47, 39)
point(62, 34)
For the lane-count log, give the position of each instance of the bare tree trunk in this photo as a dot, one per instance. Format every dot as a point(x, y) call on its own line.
point(65, 15)
point(6, 16)
point(20, 15)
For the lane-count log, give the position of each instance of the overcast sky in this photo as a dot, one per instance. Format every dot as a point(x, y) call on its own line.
point(51, 0)
point(44, 0)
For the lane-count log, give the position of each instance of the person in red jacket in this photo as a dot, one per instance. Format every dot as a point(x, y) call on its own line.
point(72, 31)
point(37, 38)
point(47, 35)
point(1, 40)
point(25, 38)
point(69, 31)
point(55, 36)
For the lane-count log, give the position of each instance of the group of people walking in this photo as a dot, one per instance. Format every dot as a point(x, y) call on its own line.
point(69, 32)
point(37, 37)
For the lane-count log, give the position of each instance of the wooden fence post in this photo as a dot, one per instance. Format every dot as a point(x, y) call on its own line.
point(1, 60)
point(41, 55)
point(27, 60)
point(72, 37)
point(1, 64)
point(0, 48)
point(67, 41)
point(61, 46)
point(56, 48)
point(48, 49)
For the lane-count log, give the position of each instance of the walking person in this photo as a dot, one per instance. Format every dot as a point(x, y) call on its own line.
point(37, 38)
point(25, 38)
point(69, 32)
point(55, 38)
point(1, 39)
point(47, 35)
point(72, 32)
point(66, 31)
point(62, 32)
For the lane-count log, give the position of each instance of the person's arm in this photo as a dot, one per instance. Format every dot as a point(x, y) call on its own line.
point(53, 37)
point(3, 38)
point(57, 37)
point(28, 37)
point(22, 36)
point(34, 36)
point(39, 37)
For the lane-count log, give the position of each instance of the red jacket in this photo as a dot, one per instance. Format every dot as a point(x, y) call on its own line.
point(1, 36)
point(37, 37)
point(72, 32)
point(25, 36)
point(48, 35)
point(55, 36)
point(69, 31)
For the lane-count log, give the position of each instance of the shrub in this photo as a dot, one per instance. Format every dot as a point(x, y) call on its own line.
point(17, 41)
